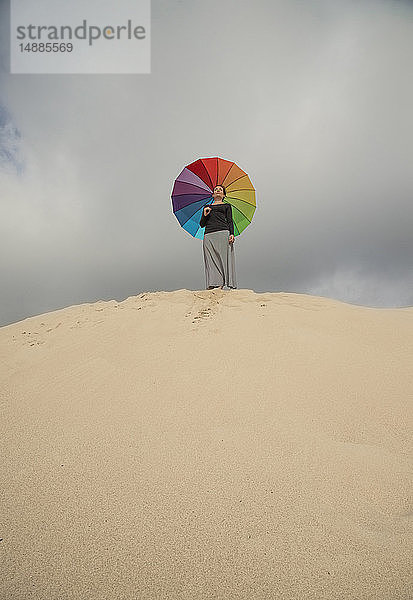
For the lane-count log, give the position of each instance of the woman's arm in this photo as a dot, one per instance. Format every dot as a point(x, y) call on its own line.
point(203, 220)
point(229, 219)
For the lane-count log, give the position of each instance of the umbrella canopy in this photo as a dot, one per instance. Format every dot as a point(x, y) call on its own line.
point(193, 190)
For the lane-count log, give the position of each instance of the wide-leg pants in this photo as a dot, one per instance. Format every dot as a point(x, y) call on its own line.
point(219, 260)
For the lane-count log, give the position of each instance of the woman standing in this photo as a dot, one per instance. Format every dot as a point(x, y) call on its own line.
point(218, 246)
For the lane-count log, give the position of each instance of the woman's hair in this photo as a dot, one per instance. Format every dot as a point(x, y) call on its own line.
point(219, 185)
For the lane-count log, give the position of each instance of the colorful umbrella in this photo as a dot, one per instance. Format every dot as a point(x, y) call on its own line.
point(193, 190)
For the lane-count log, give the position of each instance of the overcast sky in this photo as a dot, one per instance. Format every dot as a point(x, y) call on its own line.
point(312, 99)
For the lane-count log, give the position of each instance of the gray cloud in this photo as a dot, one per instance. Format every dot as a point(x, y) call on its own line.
point(313, 100)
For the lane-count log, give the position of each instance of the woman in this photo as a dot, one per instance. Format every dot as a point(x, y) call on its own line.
point(218, 246)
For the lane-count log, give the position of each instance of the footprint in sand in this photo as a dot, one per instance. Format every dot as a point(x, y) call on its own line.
point(203, 314)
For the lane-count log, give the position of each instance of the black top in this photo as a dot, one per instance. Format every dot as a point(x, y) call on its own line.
point(220, 218)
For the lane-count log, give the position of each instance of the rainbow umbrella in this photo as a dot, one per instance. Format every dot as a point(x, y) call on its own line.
point(193, 190)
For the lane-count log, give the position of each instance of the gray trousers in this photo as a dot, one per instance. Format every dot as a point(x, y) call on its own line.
point(219, 260)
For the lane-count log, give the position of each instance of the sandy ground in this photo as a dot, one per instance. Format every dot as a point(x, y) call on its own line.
point(208, 444)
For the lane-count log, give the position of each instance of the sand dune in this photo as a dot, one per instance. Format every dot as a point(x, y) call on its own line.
point(208, 444)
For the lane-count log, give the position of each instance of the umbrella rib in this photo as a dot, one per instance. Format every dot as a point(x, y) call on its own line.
point(207, 172)
point(239, 178)
point(190, 217)
point(188, 183)
point(239, 210)
point(186, 194)
point(229, 169)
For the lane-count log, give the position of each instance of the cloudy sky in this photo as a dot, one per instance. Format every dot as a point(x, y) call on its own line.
point(312, 99)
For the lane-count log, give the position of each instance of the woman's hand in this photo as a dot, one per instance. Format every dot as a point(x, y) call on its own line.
point(207, 210)
point(231, 239)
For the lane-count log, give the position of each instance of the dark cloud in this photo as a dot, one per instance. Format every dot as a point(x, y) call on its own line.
point(10, 160)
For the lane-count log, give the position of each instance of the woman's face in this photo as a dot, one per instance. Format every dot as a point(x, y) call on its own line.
point(218, 192)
